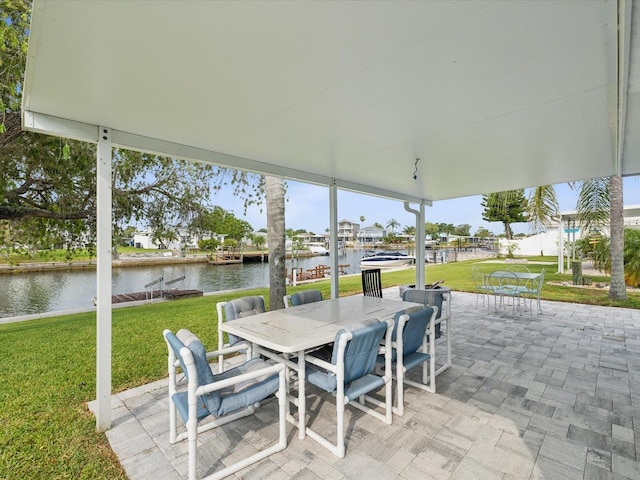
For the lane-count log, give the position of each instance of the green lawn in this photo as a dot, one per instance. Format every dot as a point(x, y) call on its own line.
point(48, 369)
point(62, 255)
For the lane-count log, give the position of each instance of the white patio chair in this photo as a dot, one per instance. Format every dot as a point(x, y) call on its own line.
point(300, 298)
point(480, 284)
point(226, 397)
point(347, 370)
point(411, 349)
point(441, 299)
point(237, 308)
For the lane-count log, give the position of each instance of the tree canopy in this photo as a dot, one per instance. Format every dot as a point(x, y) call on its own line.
point(506, 207)
point(220, 221)
point(48, 184)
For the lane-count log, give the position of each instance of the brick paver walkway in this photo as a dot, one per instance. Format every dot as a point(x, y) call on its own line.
point(556, 396)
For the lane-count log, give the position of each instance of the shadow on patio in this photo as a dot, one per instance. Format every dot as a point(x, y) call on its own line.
point(556, 396)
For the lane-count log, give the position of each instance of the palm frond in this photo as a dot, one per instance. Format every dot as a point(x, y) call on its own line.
point(542, 207)
point(593, 203)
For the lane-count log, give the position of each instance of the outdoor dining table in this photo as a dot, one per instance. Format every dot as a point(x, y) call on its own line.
point(294, 330)
point(527, 278)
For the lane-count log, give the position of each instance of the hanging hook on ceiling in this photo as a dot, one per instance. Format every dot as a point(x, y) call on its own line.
point(415, 171)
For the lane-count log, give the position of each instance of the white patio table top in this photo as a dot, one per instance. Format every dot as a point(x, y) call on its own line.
point(296, 329)
point(519, 275)
point(300, 328)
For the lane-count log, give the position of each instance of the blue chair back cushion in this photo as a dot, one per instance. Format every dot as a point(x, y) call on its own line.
point(413, 332)
point(359, 356)
point(240, 308)
point(307, 296)
point(432, 297)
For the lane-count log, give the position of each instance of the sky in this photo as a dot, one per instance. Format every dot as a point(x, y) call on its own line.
point(307, 207)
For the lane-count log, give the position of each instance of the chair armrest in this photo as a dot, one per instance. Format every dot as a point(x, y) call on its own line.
point(238, 347)
point(321, 363)
point(277, 368)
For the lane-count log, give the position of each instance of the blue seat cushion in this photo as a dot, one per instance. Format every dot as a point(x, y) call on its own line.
point(227, 400)
point(246, 393)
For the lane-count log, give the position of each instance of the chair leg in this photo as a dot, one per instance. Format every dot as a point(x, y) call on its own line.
point(400, 387)
point(192, 428)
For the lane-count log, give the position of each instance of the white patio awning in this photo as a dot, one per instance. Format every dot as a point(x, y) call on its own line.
point(488, 95)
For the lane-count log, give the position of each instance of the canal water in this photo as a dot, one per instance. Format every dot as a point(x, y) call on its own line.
point(41, 292)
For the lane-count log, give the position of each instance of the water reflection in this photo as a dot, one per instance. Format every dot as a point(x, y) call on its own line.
point(39, 292)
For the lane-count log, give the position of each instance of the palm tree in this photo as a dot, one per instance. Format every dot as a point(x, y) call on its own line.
point(600, 200)
point(259, 241)
point(393, 224)
point(409, 230)
point(362, 219)
point(274, 189)
point(617, 288)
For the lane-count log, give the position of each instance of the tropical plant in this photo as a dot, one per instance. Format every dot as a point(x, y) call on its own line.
point(409, 230)
point(209, 244)
point(393, 224)
point(632, 257)
point(161, 235)
point(259, 241)
point(600, 201)
point(601, 256)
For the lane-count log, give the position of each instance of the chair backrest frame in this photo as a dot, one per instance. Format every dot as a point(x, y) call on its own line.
point(304, 297)
point(372, 282)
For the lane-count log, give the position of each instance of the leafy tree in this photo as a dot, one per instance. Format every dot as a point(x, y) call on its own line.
point(506, 207)
point(446, 228)
point(48, 184)
point(14, 36)
point(221, 221)
point(432, 229)
point(463, 230)
point(483, 233)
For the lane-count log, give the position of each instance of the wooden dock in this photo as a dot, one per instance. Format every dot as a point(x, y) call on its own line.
point(224, 258)
point(154, 295)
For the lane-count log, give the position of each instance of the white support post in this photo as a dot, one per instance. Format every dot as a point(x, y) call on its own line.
point(103, 295)
point(333, 239)
point(420, 253)
point(560, 247)
point(420, 237)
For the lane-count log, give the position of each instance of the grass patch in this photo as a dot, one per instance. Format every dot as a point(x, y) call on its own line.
point(46, 430)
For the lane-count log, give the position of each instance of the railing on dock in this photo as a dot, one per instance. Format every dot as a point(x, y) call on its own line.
point(149, 291)
point(175, 280)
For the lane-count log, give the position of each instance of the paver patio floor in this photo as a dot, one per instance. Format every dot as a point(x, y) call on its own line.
point(556, 396)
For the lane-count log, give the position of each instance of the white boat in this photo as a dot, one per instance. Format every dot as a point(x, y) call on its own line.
point(318, 249)
point(386, 260)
